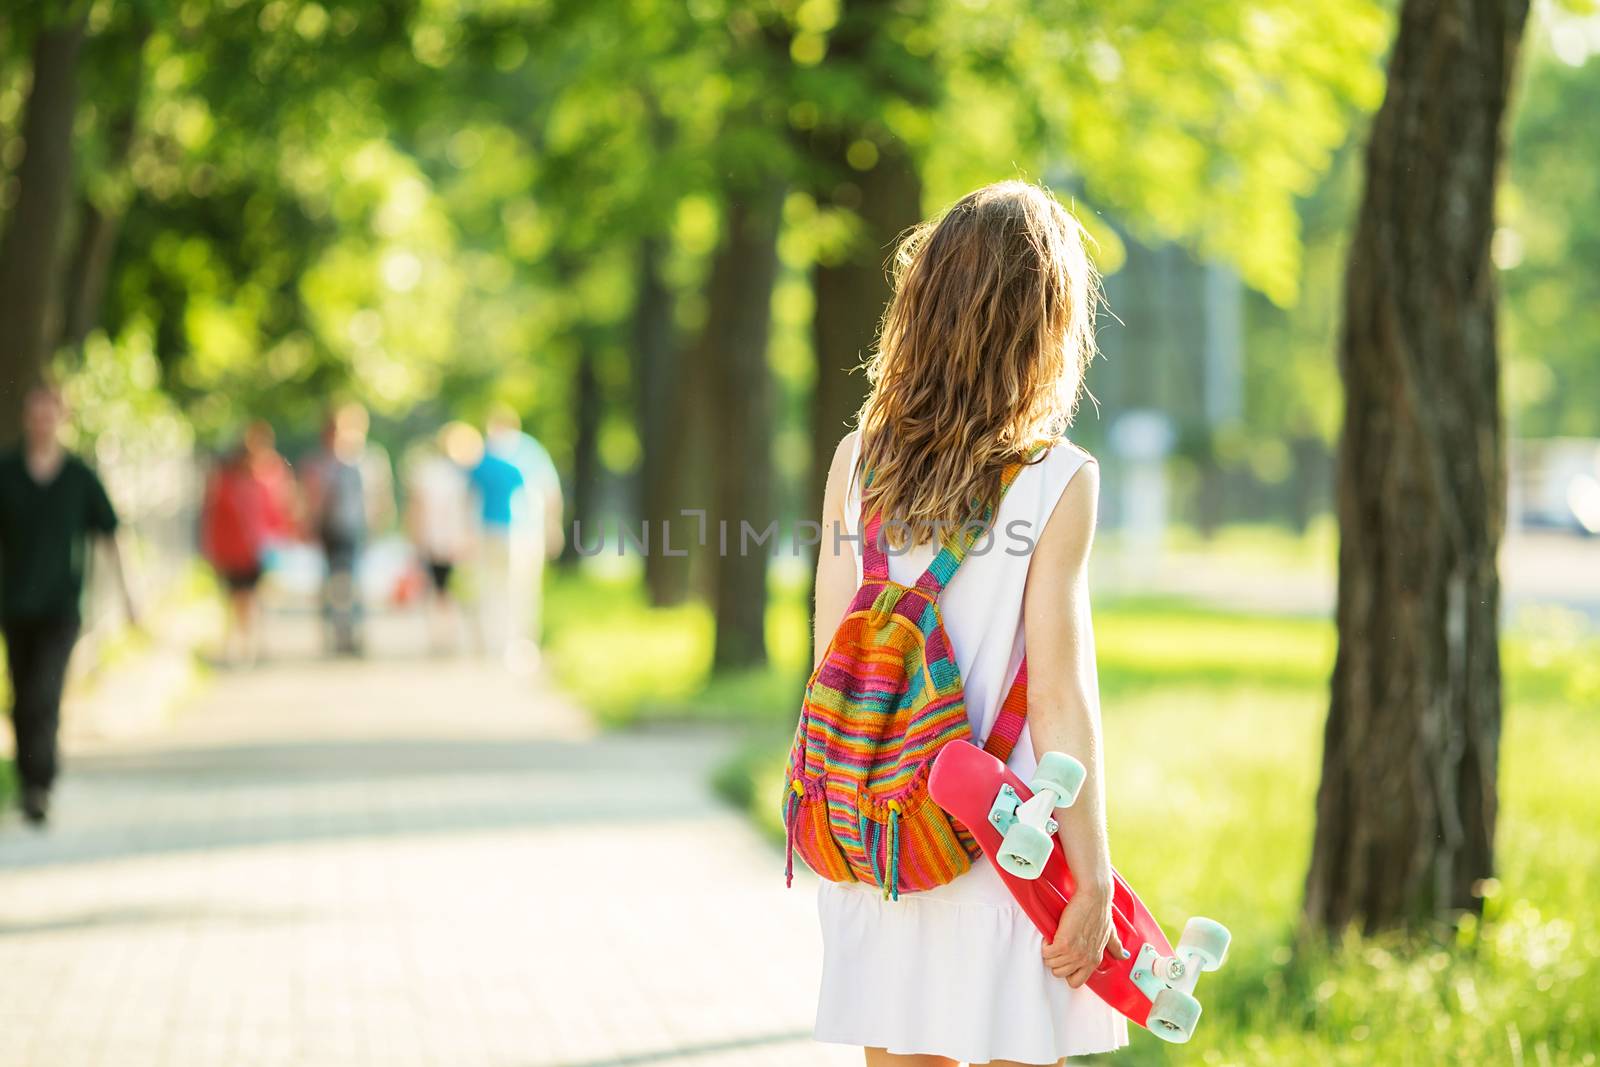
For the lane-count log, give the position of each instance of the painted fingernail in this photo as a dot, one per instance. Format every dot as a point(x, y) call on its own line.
point(1126, 954)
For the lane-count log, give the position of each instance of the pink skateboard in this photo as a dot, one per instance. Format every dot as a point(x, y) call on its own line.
point(1012, 823)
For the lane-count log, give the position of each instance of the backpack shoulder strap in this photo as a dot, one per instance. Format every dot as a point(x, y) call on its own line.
point(1013, 715)
point(874, 560)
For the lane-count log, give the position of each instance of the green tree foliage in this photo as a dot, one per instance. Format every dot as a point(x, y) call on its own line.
point(430, 203)
point(276, 230)
point(1549, 300)
point(279, 143)
point(1202, 122)
point(1549, 240)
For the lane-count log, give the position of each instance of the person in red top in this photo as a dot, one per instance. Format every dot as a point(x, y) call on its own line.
point(247, 508)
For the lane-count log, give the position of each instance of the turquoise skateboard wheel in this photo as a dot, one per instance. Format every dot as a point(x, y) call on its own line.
point(1061, 774)
point(1207, 939)
point(1173, 1016)
point(1024, 851)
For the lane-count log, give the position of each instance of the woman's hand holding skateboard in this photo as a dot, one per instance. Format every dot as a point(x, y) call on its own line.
point(1083, 937)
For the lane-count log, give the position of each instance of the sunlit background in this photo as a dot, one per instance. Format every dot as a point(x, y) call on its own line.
point(656, 229)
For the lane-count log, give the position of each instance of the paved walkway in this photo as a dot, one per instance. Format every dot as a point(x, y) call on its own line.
point(403, 861)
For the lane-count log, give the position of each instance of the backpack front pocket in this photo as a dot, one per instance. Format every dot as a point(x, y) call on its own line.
point(908, 844)
point(810, 833)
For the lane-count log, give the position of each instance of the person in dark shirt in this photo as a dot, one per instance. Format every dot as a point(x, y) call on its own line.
point(51, 504)
point(349, 493)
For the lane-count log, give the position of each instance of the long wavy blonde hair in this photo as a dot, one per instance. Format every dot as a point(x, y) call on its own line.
point(980, 357)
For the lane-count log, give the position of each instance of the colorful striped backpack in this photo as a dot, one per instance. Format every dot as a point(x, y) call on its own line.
point(884, 700)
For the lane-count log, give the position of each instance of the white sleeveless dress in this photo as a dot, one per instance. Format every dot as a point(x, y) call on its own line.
point(957, 971)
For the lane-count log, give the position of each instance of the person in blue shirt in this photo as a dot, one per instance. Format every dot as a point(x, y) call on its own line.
point(498, 483)
point(540, 503)
point(525, 517)
point(505, 561)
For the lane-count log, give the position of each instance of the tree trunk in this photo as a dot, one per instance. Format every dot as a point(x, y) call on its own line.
point(588, 407)
point(738, 322)
point(29, 249)
point(660, 404)
point(83, 290)
point(851, 294)
point(1407, 805)
point(867, 46)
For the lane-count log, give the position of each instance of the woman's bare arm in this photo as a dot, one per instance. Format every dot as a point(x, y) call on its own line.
point(1062, 717)
point(836, 562)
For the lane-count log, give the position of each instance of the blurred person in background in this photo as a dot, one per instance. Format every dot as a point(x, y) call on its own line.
point(535, 519)
point(248, 508)
point(274, 472)
point(505, 561)
point(349, 493)
point(51, 505)
point(440, 521)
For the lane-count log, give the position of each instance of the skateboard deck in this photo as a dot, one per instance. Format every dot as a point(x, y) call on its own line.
point(965, 782)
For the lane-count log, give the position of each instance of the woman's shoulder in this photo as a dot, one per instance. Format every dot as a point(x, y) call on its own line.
point(846, 457)
point(1068, 499)
point(1064, 458)
point(848, 446)
point(1066, 446)
point(837, 498)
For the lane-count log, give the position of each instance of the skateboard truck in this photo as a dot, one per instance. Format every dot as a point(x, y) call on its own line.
point(1152, 972)
point(1028, 826)
point(1169, 981)
point(1009, 809)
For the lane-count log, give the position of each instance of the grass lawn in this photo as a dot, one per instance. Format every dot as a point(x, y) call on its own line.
point(1213, 730)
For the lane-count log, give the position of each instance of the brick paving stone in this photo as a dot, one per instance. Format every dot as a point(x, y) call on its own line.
point(406, 861)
